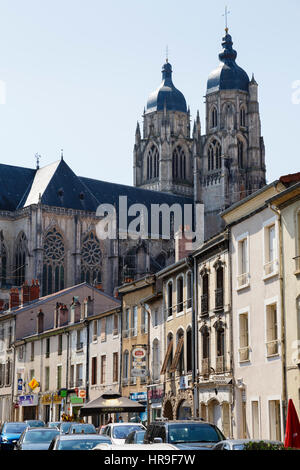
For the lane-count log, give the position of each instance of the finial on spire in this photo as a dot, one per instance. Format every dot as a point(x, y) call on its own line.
point(61, 154)
point(167, 54)
point(37, 157)
point(226, 19)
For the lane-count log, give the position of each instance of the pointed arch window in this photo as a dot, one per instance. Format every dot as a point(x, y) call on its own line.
point(214, 117)
point(240, 154)
point(214, 156)
point(3, 262)
point(179, 163)
point(153, 163)
point(54, 262)
point(243, 116)
point(20, 259)
point(91, 259)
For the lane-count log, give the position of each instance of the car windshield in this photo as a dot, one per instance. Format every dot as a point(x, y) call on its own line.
point(14, 428)
point(78, 444)
point(189, 432)
point(121, 432)
point(140, 437)
point(53, 425)
point(35, 424)
point(40, 436)
point(83, 428)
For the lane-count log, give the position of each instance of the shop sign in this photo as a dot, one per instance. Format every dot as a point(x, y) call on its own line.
point(155, 394)
point(138, 396)
point(76, 400)
point(20, 385)
point(28, 400)
point(82, 393)
point(138, 353)
point(49, 398)
point(183, 384)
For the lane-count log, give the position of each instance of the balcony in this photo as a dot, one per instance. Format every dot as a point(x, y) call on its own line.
point(244, 354)
point(204, 304)
point(271, 268)
point(243, 280)
point(219, 298)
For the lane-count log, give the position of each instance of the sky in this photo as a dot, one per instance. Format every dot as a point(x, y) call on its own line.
point(76, 75)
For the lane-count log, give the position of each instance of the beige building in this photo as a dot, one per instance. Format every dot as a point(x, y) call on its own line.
point(287, 205)
point(214, 320)
point(258, 316)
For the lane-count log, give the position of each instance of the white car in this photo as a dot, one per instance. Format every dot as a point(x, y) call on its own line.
point(119, 431)
point(161, 446)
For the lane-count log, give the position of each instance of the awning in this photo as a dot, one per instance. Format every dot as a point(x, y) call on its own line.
point(111, 403)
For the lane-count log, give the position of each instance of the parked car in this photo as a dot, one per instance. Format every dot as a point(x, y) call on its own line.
point(187, 434)
point(54, 424)
point(78, 441)
point(239, 444)
point(10, 433)
point(35, 423)
point(82, 428)
point(36, 438)
point(130, 447)
point(135, 437)
point(64, 427)
point(118, 432)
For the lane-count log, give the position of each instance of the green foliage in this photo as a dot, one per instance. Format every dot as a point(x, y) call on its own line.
point(262, 445)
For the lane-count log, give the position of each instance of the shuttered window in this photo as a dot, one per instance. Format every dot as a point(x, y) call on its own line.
point(103, 330)
point(94, 370)
point(115, 366)
point(177, 355)
point(166, 360)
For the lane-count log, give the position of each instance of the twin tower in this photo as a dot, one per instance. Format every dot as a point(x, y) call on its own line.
point(222, 166)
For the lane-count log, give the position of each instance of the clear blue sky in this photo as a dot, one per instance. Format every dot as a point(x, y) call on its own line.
point(78, 74)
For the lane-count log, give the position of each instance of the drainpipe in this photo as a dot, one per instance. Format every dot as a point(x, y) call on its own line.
point(193, 264)
point(283, 333)
point(231, 334)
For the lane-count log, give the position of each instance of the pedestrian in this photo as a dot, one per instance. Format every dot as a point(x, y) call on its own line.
point(120, 419)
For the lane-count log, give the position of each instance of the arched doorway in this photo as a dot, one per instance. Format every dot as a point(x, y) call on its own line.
point(168, 411)
point(184, 410)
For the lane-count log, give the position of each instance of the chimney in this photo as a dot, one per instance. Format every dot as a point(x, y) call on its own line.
point(25, 293)
point(88, 306)
point(34, 290)
point(63, 315)
point(14, 300)
point(183, 245)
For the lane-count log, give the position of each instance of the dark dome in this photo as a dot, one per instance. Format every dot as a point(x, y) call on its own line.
point(166, 94)
point(228, 76)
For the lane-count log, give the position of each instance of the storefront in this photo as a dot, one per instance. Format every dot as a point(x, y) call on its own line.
point(155, 397)
point(141, 417)
point(28, 405)
point(51, 407)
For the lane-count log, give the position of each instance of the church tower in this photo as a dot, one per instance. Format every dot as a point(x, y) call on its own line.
point(163, 154)
point(231, 165)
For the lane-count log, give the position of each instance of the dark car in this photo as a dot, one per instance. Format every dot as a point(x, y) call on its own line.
point(187, 434)
point(10, 433)
point(35, 423)
point(78, 441)
point(82, 428)
point(135, 437)
point(36, 438)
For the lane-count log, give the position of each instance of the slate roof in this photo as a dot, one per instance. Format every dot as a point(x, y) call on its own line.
point(59, 186)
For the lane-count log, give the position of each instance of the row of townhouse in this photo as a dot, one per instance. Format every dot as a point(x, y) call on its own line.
point(221, 326)
point(57, 352)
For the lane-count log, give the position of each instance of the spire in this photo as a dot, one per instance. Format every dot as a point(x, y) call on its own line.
point(228, 54)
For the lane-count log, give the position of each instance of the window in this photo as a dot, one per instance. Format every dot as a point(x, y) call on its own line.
point(270, 250)
point(189, 349)
point(116, 325)
point(274, 420)
point(170, 298)
point(32, 351)
point(156, 318)
point(103, 370)
point(243, 337)
point(94, 371)
point(115, 367)
point(79, 375)
point(40, 322)
point(242, 117)
point(134, 321)
point(220, 343)
point(60, 345)
point(125, 367)
point(272, 330)
point(153, 163)
point(126, 323)
point(255, 419)
point(47, 347)
point(180, 294)
point(243, 263)
point(214, 117)
point(155, 360)
point(178, 360)
point(8, 372)
point(179, 163)
point(144, 325)
point(79, 341)
point(95, 330)
point(91, 259)
point(214, 156)
point(205, 292)
point(54, 259)
point(219, 294)
point(103, 330)
point(189, 289)
point(20, 259)
point(169, 355)
point(47, 378)
point(240, 154)
point(205, 350)
point(59, 376)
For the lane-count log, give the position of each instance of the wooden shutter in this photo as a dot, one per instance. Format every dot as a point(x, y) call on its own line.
point(164, 367)
point(177, 355)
